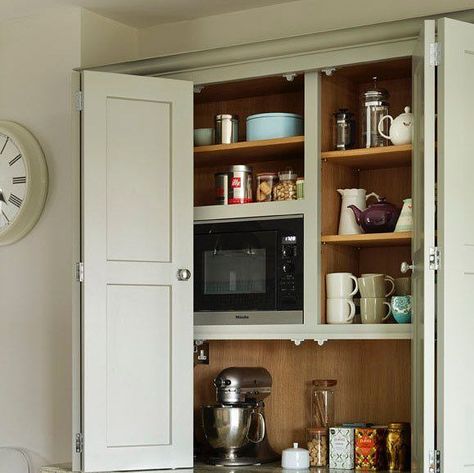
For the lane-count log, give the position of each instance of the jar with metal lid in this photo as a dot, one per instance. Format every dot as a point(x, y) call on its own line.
point(240, 184)
point(322, 402)
point(398, 446)
point(317, 443)
point(226, 128)
point(374, 107)
point(286, 188)
point(265, 183)
point(343, 130)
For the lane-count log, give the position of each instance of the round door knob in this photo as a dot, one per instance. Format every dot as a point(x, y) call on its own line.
point(183, 274)
point(405, 267)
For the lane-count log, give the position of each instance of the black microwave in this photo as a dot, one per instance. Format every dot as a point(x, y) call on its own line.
point(249, 272)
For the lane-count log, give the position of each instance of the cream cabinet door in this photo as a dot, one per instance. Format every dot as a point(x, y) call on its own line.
point(456, 242)
point(137, 316)
point(423, 278)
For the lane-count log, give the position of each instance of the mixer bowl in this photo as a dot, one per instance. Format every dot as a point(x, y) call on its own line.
point(226, 427)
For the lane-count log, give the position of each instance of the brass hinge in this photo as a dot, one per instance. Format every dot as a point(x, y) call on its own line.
point(79, 442)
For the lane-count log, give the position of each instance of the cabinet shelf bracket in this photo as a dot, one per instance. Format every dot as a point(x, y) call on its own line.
point(297, 341)
point(320, 341)
point(198, 89)
point(329, 71)
point(290, 77)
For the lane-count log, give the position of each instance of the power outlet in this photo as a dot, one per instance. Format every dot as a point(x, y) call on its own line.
point(201, 353)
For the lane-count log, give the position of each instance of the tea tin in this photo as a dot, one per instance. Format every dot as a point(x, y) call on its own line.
point(341, 448)
point(398, 446)
point(370, 448)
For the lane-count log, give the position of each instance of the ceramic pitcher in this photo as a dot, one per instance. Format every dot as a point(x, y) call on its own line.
point(347, 221)
point(405, 221)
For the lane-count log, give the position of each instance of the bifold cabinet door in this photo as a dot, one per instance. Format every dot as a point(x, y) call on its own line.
point(423, 279)
point(137, 325)
point(456, 242)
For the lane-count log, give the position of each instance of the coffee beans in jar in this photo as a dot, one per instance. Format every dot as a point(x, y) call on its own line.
point(265, 183)
point(286, 188)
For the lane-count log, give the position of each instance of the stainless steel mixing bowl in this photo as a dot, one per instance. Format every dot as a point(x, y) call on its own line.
point(226, 426)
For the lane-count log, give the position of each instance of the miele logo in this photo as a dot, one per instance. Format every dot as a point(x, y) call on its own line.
point(235, 182)
point(242, 317)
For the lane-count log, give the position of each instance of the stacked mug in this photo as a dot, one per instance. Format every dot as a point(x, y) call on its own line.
point(340, 289)
point(374, 288)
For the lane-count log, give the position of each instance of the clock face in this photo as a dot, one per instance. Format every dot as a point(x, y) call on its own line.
point(13, 181)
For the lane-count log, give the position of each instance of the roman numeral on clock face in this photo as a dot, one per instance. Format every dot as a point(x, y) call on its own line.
point(15, 200)
point(19, 180)
point(14, 160)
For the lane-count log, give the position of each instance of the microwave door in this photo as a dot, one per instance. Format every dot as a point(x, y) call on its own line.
point(235, 271)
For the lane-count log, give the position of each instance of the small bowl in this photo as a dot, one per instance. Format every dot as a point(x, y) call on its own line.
point(203, 136)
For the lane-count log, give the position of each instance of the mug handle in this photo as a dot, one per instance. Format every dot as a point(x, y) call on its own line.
point(379, 127)
point(352, 313)
point(392, 282)
point(261, 422)
point(389, 313)
point(356, 286)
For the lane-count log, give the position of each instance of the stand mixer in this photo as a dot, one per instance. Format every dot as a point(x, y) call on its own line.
point(235, 427)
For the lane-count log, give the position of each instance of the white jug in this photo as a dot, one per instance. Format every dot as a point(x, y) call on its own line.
point(401, 128)
point(347, 221)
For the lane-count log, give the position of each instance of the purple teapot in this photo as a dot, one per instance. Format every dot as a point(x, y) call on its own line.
point(377, 218)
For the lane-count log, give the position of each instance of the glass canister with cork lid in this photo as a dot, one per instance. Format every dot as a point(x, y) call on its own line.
point(318, 446)
point(322, 402)
point(286, 188)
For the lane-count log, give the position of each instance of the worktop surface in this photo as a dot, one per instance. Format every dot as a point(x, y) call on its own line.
point(203, 468)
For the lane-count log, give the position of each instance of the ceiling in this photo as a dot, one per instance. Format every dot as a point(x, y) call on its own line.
point(138, 13)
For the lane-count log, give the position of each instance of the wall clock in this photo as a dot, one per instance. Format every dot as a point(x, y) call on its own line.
point(23, 182)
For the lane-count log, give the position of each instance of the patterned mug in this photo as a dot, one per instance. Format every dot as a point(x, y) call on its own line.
point(401, 309)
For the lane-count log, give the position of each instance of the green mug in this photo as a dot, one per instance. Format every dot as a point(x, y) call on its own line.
point(401, 309)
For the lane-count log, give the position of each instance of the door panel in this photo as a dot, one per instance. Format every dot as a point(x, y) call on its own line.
point(137, 319)
point(423, 346)
point(456, 240)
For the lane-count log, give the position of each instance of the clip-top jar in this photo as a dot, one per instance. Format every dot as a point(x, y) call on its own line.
point(322, 402)
point(374, 107)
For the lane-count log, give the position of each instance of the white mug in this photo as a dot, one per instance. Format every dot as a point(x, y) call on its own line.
point(340, 311)
point(341, 285)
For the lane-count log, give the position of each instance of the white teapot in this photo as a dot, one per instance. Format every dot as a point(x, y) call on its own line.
point(401, 128)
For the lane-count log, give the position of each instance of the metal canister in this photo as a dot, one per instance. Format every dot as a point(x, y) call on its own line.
point(226, 129)
point(240, 184)
point(398, 446)
point(222, 188)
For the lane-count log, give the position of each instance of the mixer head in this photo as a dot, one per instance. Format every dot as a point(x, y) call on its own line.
point(238, 385)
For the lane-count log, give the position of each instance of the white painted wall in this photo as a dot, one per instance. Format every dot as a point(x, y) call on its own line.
point(281, 21)
point(105, 41)
point(37, 55)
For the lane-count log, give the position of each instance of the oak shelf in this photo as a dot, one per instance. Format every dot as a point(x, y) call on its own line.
point(369, 239)
point(371, 158)
point(248, 151)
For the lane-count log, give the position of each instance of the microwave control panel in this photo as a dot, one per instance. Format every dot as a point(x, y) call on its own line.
point(287, 280)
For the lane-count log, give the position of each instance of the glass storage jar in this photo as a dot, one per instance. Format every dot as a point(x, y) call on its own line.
point(286, 188)
point(265, 183)
point(322, 402)
point(317, 442)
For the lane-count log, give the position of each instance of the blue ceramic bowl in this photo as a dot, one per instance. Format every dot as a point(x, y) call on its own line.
point(266, 126)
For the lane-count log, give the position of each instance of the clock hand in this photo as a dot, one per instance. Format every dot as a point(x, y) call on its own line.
point(2, 198)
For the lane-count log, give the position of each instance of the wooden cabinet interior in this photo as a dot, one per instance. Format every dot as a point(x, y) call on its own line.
point(244, 98)
point(373, 381)
point(388, 175)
